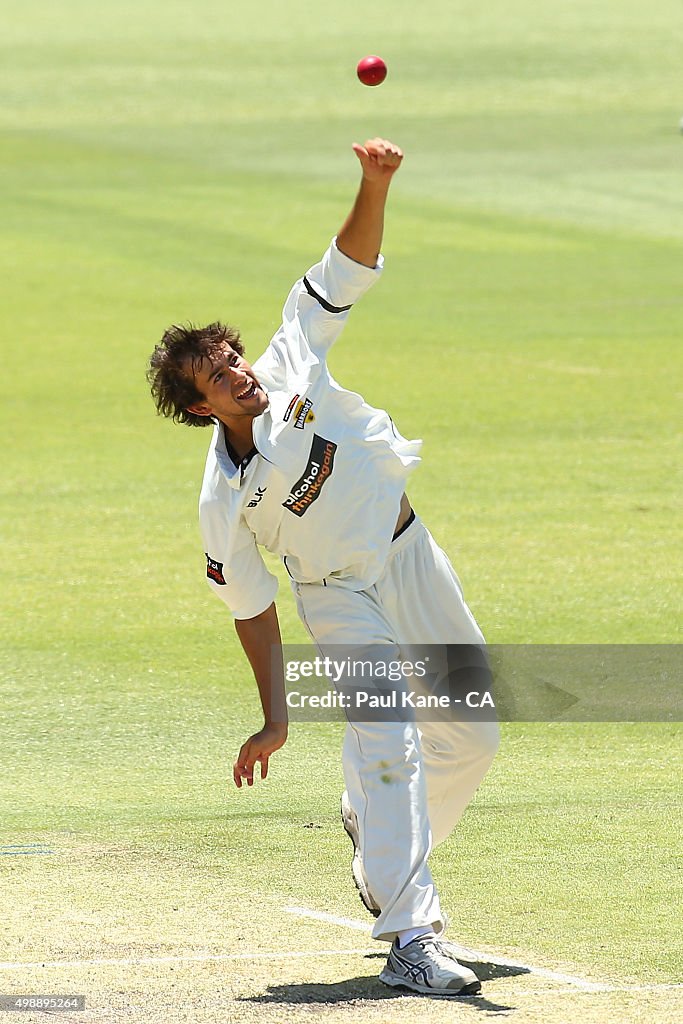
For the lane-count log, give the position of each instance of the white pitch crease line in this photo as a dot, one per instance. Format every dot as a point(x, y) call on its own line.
point(348, 922)
point(200, 958)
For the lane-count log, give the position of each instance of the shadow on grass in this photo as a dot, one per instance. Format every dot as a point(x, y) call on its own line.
point(363, 988)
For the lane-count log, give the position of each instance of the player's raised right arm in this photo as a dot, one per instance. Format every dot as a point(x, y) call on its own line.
point(318, 305)
point(360, 237)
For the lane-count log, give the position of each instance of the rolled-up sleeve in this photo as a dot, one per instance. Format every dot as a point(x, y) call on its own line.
point(337, 281)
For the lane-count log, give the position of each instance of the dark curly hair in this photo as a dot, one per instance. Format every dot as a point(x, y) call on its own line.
point(182, 349)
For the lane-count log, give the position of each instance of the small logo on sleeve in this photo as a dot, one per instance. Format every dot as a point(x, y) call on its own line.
point(309, 485)
point(214, 571)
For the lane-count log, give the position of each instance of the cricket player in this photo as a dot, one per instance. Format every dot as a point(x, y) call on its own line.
point(305, 468)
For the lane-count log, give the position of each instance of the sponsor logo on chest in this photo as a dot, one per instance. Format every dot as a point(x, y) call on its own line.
point(303, 414)
point(290, 408)
point(311, 482)
point(302, 410)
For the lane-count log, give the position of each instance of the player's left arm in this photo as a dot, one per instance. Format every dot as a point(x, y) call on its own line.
point(360, 237)
point(262, 644)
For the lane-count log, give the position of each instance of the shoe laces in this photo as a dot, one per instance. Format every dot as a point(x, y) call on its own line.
point(433, 947)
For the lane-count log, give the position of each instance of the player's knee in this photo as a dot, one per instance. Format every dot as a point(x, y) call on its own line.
point(479, 743)
point(390, 772)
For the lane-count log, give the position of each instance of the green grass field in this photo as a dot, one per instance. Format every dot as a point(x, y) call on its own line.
point(175, 162)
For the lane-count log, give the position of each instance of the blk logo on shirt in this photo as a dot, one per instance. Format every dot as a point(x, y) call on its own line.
point(258, 494)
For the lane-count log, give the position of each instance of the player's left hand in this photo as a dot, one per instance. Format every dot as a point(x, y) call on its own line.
point(379, 158)
point(258, 748)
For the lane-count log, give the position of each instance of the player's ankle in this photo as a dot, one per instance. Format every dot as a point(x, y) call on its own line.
point(407, 935)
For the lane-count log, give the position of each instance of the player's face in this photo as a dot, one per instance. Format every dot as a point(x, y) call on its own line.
point(229, 386)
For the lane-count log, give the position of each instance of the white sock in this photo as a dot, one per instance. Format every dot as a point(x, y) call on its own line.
point(408, 934)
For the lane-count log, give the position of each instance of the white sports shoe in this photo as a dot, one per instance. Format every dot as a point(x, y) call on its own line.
point(423, 965)
point(350, 823)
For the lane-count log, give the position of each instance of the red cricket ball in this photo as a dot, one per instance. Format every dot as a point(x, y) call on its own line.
point(371, 70)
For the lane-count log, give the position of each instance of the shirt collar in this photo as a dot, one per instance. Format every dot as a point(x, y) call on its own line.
point(233, 470)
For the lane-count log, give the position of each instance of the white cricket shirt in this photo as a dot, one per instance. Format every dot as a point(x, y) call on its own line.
point(325, 488)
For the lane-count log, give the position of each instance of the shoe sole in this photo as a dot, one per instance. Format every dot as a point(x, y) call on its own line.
point(358, 880)
point(396, 981)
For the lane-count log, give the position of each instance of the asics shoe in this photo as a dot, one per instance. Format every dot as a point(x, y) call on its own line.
point(424, 966)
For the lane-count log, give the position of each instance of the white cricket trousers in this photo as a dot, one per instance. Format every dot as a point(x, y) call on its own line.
point(408, 784)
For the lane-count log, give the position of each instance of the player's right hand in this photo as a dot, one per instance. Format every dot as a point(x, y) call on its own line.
point(379, 158)
point(258, 748)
